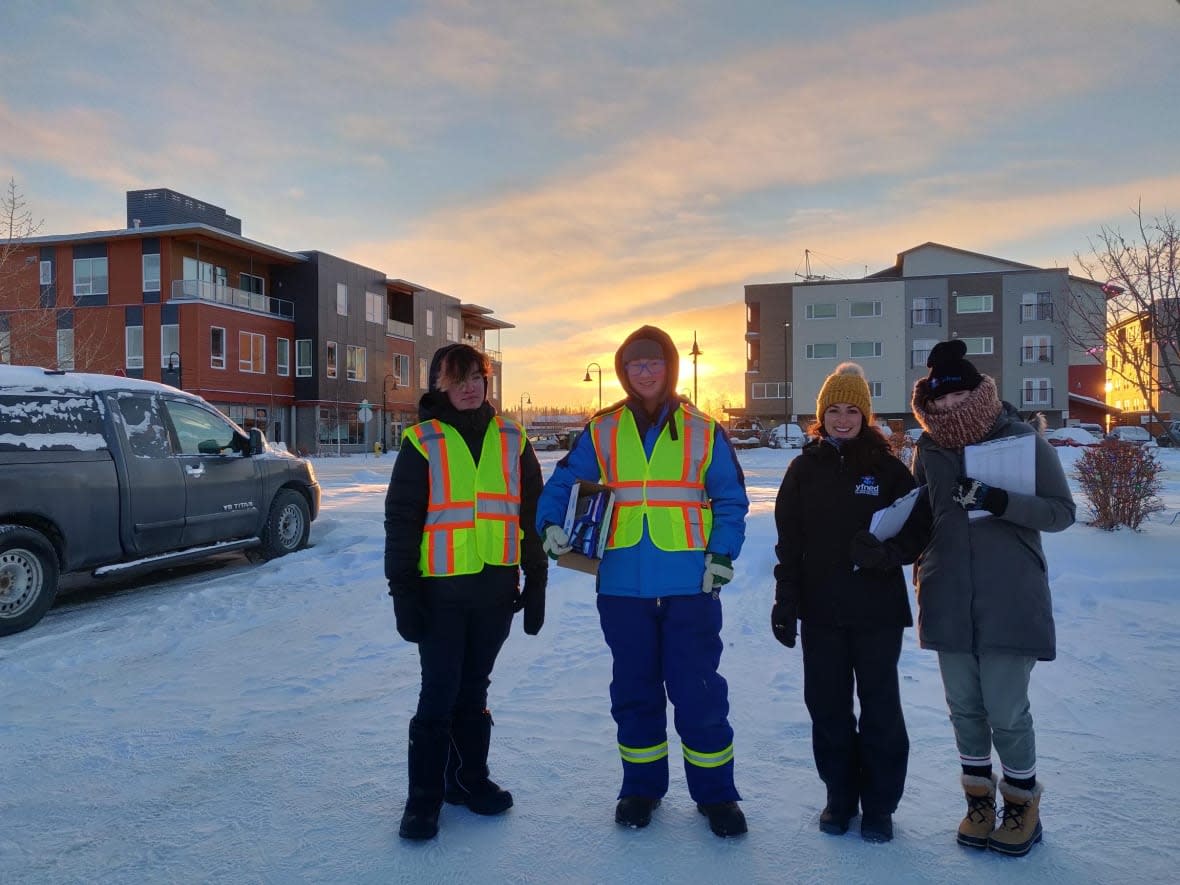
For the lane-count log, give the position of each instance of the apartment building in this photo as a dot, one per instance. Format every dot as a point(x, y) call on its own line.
point(1010, 315)
point(304, 345)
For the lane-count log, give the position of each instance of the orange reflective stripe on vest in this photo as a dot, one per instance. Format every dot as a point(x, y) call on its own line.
point(667, 490)
point(473, 510)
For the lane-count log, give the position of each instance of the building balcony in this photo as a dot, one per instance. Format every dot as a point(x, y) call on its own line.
point(1036, 355)
point(202, 290)
point(926, 316)
point(398, 329)
point(478, 343)
point(1039, 397)
point(1035, 313)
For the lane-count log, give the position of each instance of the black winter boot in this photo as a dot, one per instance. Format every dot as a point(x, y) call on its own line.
point(427, 761)
point(635, 811)
point(467, 781)
point(725, 818)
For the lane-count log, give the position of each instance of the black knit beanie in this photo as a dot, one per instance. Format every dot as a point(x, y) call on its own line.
point(950, 370)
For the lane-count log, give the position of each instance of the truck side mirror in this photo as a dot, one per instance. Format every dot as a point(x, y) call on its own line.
point(257, 441)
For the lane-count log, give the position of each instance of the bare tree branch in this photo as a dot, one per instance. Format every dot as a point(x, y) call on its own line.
point(1128, 316)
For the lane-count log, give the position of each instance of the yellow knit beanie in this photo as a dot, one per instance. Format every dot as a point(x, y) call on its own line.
point(846, 385)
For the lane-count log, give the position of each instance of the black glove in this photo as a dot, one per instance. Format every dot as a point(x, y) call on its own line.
point(784, 615)
point(971, 494)
point(532, 600)
point(410, 612)
point(869, 551)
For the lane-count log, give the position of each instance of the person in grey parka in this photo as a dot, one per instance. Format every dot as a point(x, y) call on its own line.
point(983, 592)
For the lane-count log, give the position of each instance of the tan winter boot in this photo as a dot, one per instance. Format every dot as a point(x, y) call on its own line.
point(976, 828)
point(1020, 829)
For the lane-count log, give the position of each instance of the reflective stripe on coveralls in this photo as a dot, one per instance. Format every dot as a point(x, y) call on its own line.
point(473, 513)
point(668, 490)
point(646, 754)
point(708, 760)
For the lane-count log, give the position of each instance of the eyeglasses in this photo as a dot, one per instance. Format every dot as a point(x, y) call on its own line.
point(652, 367)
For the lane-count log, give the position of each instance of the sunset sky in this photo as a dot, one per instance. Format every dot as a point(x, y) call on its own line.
point(586, 167)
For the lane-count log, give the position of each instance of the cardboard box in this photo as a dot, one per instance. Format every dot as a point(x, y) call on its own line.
point(580, 496)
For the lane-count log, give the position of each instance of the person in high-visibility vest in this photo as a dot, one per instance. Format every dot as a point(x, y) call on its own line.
point(459, 530)
point(677, 526)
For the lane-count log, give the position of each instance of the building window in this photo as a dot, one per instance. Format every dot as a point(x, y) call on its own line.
point(65, 348)
point(921, 351)
point(252, 353)
point(826, 351)
point(495, 395)
point(821, 311)
point(452, 328)
point(46, 273)
point(1037, 349)
point(423, 373)
point(973, 304)
point(1036, 306)
point(877, 388)
point(303, 358)
point(133, 346)
point(864, 309)
point(169, 343)
point(90, 277)
point(1037, 392)
point(769, 390)
point(356, 362)
point(926, 312)
point(374, 308)
point(979, 346)
point(341, 300)
point(251, 283)
point(430, 322)
point(5, 346)
point(864, 349)
point(282, 357)
point(216, 347)
point(330, 360)
point(401, 369)
point(339, 426)
point(151, 273)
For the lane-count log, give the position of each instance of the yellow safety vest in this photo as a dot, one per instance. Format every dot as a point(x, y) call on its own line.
point(473, 516)
point(668, 491)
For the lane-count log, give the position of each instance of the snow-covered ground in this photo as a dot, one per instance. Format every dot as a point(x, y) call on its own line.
point(247, 723)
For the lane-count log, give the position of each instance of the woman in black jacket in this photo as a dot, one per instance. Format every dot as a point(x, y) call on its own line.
point(460, 525)
point(853, 616)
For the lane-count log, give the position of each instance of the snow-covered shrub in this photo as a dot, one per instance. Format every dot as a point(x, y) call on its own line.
point(1122, 482)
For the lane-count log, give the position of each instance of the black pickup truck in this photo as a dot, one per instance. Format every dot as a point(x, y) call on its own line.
point(116, 475)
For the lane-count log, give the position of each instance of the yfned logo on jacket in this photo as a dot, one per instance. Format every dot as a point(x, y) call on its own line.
point(868, 486)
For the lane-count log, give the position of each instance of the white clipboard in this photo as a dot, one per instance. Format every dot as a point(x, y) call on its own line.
point(887, 521)
point(1009, 463)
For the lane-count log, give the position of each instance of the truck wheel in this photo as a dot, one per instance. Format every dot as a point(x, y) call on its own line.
point(28, 578)
point(287, 525)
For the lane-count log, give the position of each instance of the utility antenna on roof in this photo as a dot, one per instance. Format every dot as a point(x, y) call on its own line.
point(807, 275)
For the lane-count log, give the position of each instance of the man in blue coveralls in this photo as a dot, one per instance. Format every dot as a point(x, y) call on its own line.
point(677, 526)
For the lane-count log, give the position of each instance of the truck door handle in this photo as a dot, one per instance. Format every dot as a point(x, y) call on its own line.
point(199, 470)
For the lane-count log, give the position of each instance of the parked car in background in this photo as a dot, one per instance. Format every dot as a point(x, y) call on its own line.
point(787, 436)
point(1131, 433)
point(1095, 430)
point(1170, 436)
point(1071, 436)
point(546, 443)
point(116, 476)
point(748, 433)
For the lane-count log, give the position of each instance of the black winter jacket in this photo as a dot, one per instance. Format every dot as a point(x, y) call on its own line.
point(405, 515)
point(828, 495)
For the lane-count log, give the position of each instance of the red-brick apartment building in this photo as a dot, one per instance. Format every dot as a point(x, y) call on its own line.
point(293, 342)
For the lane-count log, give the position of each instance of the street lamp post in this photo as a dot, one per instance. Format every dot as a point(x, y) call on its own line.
point(598, 369)
point(696, 351)
point(524, 398)
point(173, 370)
point(787, 398)
point(385, 407)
